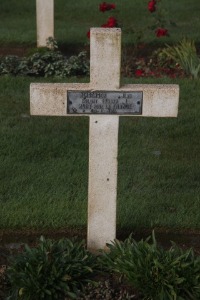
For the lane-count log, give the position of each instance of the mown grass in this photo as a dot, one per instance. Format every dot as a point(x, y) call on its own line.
point(74, 18)
point(44, 164)
point(44, 161)
point(160, 161)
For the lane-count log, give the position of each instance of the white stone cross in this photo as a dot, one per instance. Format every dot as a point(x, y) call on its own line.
point(103, 100)
point(45, 21)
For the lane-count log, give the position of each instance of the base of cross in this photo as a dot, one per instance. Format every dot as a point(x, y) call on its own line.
point(103, 100)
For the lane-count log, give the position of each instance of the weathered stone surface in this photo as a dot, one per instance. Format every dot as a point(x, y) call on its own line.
point(45, 21)
point(102, 189)
point(158, 100)
point(105, 58)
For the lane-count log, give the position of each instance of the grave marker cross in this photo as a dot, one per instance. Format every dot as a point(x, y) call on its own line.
point(103, 100)
point(45, 21)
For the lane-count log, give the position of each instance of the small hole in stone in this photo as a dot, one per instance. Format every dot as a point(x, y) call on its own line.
point(138, 102)
point(107, 179)
point(96, 121)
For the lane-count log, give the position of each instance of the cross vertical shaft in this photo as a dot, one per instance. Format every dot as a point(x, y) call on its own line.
point(105, 60)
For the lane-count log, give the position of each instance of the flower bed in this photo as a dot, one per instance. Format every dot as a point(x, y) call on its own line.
point(65, 270)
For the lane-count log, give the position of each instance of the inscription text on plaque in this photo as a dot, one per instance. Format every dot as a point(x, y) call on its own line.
point(104, 102)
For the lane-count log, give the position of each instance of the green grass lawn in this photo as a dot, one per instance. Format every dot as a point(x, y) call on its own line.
point(44, 164)
point(74, 18)
point(44, 160)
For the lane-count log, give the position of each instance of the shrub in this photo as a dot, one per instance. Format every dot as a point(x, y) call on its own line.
point(52, 270)
point(45, 63)
point(156, 273)
point(9, 65)
point(185, 54)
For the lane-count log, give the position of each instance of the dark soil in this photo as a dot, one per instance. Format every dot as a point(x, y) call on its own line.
point(185, 238)
point(18, 51)
point(21, 51)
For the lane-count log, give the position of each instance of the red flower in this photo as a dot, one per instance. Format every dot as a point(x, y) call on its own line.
point(151, 73)
point(139, 73)
point(112, 22)
point(161, 32)
point(152, 6)
point(88, 34)
point(106, 6)
point(112, 6)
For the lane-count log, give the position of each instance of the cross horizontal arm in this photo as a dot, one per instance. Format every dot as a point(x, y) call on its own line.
point(50, 99)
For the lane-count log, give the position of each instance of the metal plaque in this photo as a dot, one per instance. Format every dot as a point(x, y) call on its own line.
point(104, 102)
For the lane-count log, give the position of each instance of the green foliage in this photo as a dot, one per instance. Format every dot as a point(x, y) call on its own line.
point(52, 43)
point(52, 270)
point(156, 273)
point(45, 63)
point(9, 65)
point(64, 270)
point(161, 59)
point(185, 54)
